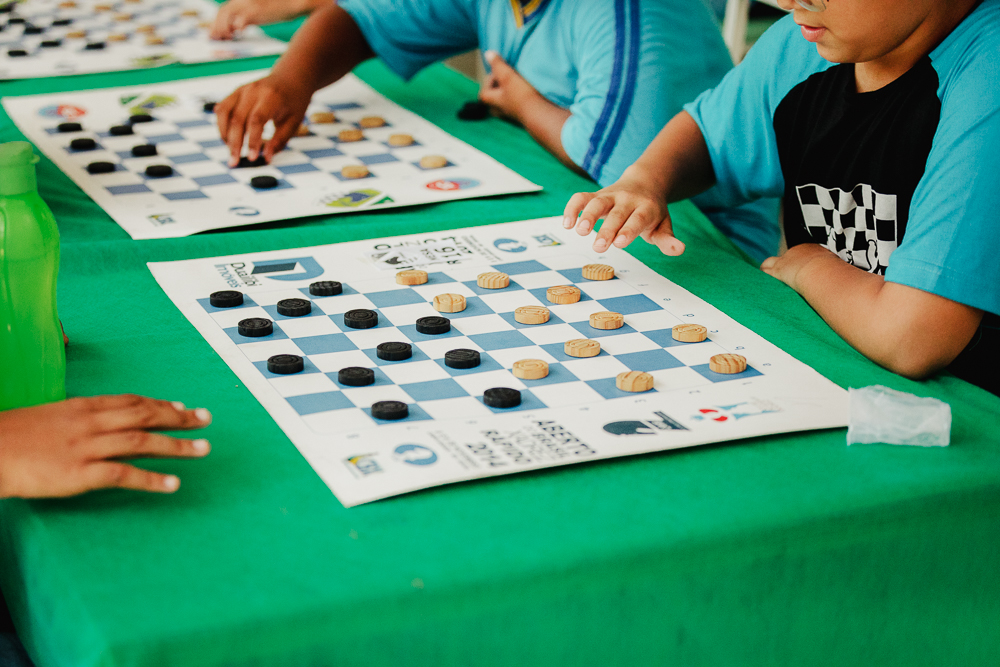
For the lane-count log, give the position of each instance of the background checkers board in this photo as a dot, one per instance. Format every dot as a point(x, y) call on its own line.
point(452, 432)
point(40, 38)
point(432, 389)
point(201, 192)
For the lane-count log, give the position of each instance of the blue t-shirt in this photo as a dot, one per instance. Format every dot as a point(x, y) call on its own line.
point(903, 181)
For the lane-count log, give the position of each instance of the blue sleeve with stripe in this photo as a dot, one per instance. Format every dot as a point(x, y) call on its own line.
point(409, 35)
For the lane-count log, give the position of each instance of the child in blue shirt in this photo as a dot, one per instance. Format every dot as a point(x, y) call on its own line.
point(881, 131)
point(592, 82)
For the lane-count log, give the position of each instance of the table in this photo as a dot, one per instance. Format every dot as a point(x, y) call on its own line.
point(776, 551)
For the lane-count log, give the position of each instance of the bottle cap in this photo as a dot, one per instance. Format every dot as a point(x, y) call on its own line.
point(17, 168)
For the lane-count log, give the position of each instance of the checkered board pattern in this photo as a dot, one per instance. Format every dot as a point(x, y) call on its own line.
point(435, 391)
point(205, 193)
point(41, 36)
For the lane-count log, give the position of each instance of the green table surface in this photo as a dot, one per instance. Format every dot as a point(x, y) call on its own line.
point(784, 550)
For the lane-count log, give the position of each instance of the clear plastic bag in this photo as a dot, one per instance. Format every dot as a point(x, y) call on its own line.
point(883, 415)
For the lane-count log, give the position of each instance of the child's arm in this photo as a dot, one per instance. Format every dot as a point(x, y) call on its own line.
point(326, 47)
point(909, 331)
point(512, 97)
point(676, 166)
point(74, 446)
point(235, 15)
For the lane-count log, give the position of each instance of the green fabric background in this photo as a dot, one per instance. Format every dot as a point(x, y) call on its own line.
point(787, 550)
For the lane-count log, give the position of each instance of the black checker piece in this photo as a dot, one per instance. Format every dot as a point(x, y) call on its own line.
point(361, 318)
point(433, 325)
point(462, 358)
point(226, 299)
point(390, 410)
point(356, 376)
point(502, 397)
point(394, 351)
point(326, 288)
point(285, 364)
point(255, 327)
point(294, 307)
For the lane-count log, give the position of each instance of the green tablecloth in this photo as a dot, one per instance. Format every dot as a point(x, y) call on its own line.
point(786, 550)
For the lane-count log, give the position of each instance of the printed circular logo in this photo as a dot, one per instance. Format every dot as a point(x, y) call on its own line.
point(415, 455)
point(509, 245)
point(62, 111)
point(445, 185)
point(244, 211)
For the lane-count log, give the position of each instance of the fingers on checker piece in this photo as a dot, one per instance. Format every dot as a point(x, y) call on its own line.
point(532, 314)
point(530, 369)
point(563, 294)
point(598, 272)
point(449, 303)
point(411, 277)
point(634, 381)
point(493, 280)
point(727, 364)
point(689, 333)
point(607, 320)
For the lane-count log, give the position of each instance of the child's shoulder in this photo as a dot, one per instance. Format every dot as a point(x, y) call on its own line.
point(968, 60)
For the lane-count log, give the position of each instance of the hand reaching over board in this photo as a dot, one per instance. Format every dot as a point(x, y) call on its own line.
point(74, 446)
point(235, 15)
point(248, 109)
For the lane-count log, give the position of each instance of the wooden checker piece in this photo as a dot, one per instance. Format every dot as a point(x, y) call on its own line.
point(155, 40)
point(582, 347)
point(532, 314)
point(400, 140)
point(323, 117)
point(530, 369)
point(598, 272)
point(433, 161)
point(76, 34)
point(689, 333)
point(411, 277)
point(117, 37)
point(607, 320)
point(727, 364)
point(122, 17)
point(449, 303)
point(190, 12)
point(146, 29)
point(349, 136)
point(103, 7)
point(563, 294)
point(372, 121)
point(355, 171)
point(634, 381)
point(493, 280)
point(302, 130)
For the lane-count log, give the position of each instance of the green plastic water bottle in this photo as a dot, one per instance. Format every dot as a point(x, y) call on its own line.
point(32, 356)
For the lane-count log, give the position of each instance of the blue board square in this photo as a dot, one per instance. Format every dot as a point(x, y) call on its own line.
point(297, 168)
point(234, 334)
point(707, 372)
point(322, 152)
point(189, 194)
point(310, 404)
point(665, 338)
point(396, 297)
point(557, 375)
point(476, 289)
point(380, 380)
point(516, 268)
point(540, 292)
point(629, 305)
point(649, 360)
point(501, 340)
point(410, 331)
point(206, 303)
point(418, 355)
point(215, 179)
point(212, 143)
point(606, 388)
point(558, 351)
point(347, 290)
point(473, 306)
point(191, 157)
point(164, 138)
point(307, 368)
point(486, 363)
point(509, 318)
point(576, 276)
point(202, 122)
point(417, 414)
point(272, 312)
point(343, 106)
point(528, 402)
point(127, 189)
point(590, 332)
point(325, 343)
point(434, 390)
point(380, 158)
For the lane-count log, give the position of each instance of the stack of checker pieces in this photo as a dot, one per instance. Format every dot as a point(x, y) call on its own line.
point(441, 373)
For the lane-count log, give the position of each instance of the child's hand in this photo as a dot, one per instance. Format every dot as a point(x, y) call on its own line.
point(506, 92)
point(247, 110)
point(630, 208)
point(70, 447)
point(788, 267)
point(235, 15)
